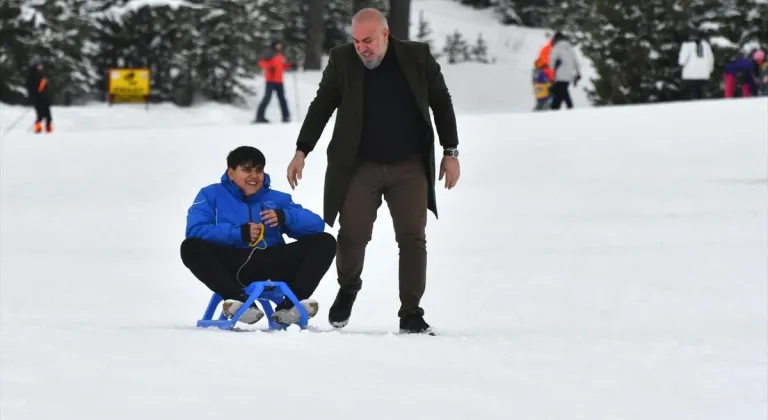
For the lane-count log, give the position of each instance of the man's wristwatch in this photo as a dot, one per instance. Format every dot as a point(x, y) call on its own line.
point(451, 151)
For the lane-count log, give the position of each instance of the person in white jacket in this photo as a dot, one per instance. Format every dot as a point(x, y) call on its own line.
point(697, 61)
point(563, 60)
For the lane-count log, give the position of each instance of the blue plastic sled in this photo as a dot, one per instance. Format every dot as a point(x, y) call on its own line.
point(265, 292)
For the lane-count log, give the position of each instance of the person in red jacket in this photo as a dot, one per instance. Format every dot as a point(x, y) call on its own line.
point(274, 65)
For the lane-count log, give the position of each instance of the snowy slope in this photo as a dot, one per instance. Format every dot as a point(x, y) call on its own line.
point(504, 85)
point(575, 273)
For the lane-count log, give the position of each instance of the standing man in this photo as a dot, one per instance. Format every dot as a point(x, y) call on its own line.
point(37, 92)
point(383, 146)
point(274, 65)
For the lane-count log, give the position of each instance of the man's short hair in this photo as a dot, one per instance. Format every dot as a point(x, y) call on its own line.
point(370, 13)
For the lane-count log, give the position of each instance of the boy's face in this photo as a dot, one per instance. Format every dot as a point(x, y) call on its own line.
point(250, 179)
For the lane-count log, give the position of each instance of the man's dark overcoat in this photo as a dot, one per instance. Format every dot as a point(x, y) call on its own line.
point(341, 90)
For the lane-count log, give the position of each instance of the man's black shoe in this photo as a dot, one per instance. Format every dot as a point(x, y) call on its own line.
point(414, 324)
point(338, 315)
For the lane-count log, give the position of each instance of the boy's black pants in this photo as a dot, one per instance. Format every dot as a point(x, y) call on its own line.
point(300, 264)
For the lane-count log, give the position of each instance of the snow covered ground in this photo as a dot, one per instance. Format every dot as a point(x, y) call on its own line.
point(594, 264)
point(612, 266)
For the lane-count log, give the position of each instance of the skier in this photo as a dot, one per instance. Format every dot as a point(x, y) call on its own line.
point(697, 61)
point(274, 65)
point(37, 92)
point(744, 71)
point(234, 236)
point(542, 84)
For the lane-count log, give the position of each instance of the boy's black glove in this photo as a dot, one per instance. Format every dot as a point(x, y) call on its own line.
point(273, 218)
point(245, 232)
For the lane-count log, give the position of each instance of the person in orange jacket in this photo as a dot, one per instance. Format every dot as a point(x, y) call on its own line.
point(544, 59)
point(37, 92)
point(274, 65)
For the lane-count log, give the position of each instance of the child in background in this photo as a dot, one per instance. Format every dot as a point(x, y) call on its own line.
point(763, 76)
point(542, 84)
point(744, 71)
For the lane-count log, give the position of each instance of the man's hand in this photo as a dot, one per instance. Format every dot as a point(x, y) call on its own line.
point(449, 168)
point(295, 168)
point(255, 231)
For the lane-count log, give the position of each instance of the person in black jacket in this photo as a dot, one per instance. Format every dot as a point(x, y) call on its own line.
point(37, 91)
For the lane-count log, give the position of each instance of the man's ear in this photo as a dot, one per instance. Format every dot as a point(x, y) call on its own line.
point(230, 173)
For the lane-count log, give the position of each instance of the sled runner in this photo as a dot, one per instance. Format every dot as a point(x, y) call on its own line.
point(266, 292)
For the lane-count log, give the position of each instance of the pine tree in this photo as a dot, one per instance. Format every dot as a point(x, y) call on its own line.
point(227, 51)
point(477, 4)
point(456, 48)
point(506, 12)
point(285, 21)
point(338, 19)
point(534, 13)
point(57, 32)
point(15, 36)
point(424, 34)
point(148, 37)
point(479, 51)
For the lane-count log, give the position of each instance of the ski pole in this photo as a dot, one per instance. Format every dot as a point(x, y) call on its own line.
point(296, 93)
point(8, 130)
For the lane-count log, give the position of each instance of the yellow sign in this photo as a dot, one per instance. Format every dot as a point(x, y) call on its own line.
point(129, 82)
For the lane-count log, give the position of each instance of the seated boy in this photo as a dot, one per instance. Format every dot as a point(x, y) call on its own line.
point(234, 236)
point(542, 84)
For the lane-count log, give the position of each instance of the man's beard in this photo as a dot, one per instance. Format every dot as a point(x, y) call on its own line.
point(371, 64)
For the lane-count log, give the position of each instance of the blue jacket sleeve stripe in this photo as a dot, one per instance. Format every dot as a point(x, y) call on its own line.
point(202, 223)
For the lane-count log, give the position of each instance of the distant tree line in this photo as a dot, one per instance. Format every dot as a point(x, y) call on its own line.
point(634, 45)
point(197, 49)
point(209, 49)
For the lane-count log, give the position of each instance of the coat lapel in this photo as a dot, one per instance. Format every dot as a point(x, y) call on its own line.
point(355, 85)
point(411, 70)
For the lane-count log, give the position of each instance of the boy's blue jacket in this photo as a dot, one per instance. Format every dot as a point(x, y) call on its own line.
point(220, 209)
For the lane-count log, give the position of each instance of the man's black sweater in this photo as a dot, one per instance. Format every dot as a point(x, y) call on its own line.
point(393, 127)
